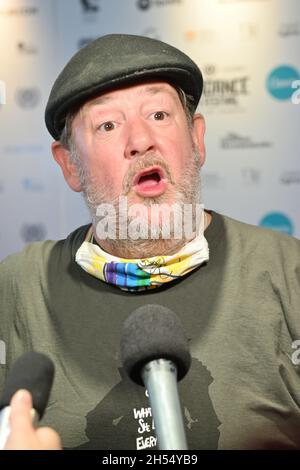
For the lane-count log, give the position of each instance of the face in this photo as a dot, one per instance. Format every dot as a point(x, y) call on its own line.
point(137, 142)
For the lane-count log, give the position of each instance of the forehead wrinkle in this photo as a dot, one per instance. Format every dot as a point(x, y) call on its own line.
point(149, 89)
point(100, 100)
point(161, 88)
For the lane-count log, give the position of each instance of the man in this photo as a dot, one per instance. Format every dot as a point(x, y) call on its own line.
point(122, 116)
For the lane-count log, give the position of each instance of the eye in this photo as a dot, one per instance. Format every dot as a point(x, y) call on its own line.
point(159, 115)
point(107, 126)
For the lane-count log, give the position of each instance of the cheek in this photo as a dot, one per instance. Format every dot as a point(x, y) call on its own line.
point(110, 176)
point(178, 149)
point(179, 136)
point(100, 164)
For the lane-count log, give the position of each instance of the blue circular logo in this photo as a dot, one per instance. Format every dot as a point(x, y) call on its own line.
point(278, 221)
point(279, 82)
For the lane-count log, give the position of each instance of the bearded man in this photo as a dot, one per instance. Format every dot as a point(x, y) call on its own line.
point(126, 134)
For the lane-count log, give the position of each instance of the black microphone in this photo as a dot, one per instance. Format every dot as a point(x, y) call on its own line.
point(155, 353)
point(33, 372)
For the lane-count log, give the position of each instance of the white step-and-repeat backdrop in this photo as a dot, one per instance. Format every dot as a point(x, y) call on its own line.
point(249, 51)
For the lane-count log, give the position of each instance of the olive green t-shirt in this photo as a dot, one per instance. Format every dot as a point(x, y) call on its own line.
point(240, 311)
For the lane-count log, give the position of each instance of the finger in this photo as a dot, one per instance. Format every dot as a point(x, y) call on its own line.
point(20, 416)
point(48, 438)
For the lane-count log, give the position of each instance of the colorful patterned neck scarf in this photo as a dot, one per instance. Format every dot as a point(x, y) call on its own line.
point(140, 274)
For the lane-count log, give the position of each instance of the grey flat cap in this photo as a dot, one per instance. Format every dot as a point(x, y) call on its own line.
point(113, 61)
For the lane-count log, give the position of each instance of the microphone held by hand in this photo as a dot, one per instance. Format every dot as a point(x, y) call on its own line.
point(33, 372)
point(155, 353)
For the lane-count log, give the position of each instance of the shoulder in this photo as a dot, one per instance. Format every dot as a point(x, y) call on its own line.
point(255, 249)
point(35, 257)
point(258, 238)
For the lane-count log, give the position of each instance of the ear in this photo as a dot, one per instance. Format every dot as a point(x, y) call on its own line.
point(69, 169)
point(198, 135)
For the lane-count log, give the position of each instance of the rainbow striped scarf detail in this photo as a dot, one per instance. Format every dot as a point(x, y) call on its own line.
point(141, 274)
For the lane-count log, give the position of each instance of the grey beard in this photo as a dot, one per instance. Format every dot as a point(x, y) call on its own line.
point(187, 192)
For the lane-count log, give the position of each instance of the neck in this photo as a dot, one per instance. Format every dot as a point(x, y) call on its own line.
point(139, 249)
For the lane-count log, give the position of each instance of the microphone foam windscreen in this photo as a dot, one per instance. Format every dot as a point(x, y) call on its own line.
point(153, 332)
point(34, 372)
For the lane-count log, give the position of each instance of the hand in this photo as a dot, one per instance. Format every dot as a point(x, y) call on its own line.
point(23, 435)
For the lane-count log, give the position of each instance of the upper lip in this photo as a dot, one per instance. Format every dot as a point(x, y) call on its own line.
point(148, 171)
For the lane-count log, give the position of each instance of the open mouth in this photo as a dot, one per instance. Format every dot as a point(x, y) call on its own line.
point(150, 181)
point(154, 177)
point(149, 175)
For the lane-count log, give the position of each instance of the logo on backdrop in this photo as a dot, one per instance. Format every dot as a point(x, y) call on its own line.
point(296, 93)
point(242, 1)
point(84, 42)
point(151, 33)
point(212, 180)
point(28, 98)
point(33, 185)
point(287, 30)
point(224, 91)
point(19, 149)
point(18, 10)
point(90, 6)
point(33, 233)
point(280, 81)
point(90, 10)
point(250, 176)
point(278, 221)
point(290, 178)
point(203, 35)
point(247, 30)
point(234, 141)
point(26, 48)
point(146, 4)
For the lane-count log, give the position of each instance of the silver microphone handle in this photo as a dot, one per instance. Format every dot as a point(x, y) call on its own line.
point(160, 379)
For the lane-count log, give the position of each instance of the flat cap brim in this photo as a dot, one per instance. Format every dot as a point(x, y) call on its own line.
point(114, 61)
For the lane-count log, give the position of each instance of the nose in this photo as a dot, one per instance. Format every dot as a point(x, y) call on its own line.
point(140, 139)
